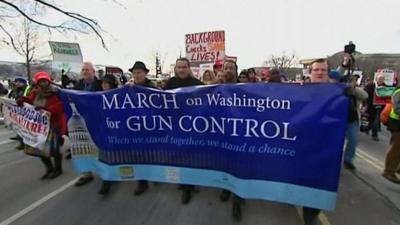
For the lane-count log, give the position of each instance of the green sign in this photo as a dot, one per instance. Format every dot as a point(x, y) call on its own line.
point(384, 91)
point(64, 48)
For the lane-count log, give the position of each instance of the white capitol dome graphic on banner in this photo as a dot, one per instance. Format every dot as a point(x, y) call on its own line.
point(82, 143)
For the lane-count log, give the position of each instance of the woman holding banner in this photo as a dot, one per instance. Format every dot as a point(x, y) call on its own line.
point(108, 82)
point(44, 96)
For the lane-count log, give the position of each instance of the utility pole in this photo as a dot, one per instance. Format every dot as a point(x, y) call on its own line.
point(158, 65)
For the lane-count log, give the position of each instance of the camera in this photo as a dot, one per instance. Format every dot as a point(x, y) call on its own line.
point(350, 48)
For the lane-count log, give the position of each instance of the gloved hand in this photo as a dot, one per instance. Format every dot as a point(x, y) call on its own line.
point(21, 100)
point(20, 103)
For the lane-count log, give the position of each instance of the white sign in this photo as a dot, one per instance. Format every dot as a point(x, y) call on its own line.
point(172, 174)
point(389, 76)
point(360, 74)
point(32, 125)
point(67, 57)
point(196, 72)
point(205, 47)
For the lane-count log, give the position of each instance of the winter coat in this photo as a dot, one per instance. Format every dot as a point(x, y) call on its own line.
point(50, 101)
point(176, 82)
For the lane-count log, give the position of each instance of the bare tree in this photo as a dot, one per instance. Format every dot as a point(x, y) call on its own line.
point(11, 9)
point(24, 42)
point(282, 62)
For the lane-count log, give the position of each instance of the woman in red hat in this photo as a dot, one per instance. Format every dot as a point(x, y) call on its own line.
point(44, 96)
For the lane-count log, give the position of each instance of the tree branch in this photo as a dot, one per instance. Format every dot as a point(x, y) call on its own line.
point(90, 22)
point(60, 27)
point(11, 40)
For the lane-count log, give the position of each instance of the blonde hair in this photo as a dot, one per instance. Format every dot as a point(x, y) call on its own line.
point(212, 76)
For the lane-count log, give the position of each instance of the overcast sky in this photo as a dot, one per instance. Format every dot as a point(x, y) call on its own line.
point(254, 29)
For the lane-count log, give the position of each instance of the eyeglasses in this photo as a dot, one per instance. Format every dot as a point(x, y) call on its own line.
point(242, 77)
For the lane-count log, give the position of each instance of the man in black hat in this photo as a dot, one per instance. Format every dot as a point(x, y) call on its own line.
point(139, 72)
point(183, 78)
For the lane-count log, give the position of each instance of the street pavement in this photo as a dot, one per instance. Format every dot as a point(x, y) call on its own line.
point(365, 197)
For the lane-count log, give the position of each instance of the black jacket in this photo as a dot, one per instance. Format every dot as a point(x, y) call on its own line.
point(176, 82)
point(149, 84)
point(17, 92)
point(96, 86)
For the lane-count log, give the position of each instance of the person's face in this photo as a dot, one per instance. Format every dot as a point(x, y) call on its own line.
point(380, 80)
point(229, 71)
point(43, 83)
point(18, 84)
point(105, 86)
point(319, 73)
point(221, 77)
point(88, 72)
point(243, 79)
point(252, 75)
point(217, 69)
point(139, 76)
point(207, 76)
point(182, 69)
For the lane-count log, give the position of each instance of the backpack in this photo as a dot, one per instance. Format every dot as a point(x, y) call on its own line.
point(385, 114)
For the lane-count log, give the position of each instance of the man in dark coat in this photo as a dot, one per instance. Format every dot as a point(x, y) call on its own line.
point(183, 78)
point(89, 82)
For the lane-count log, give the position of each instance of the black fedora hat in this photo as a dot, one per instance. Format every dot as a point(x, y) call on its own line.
point(139, 65)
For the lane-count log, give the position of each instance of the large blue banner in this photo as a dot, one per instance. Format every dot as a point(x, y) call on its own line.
point(280, 142)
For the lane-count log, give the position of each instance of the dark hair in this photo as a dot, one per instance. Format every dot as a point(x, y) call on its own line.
point(244, 72)
point(321, 60)
point(251, 70)
point(274, 76)
point(215, 66)
point(183, 59)
point(110, 79)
